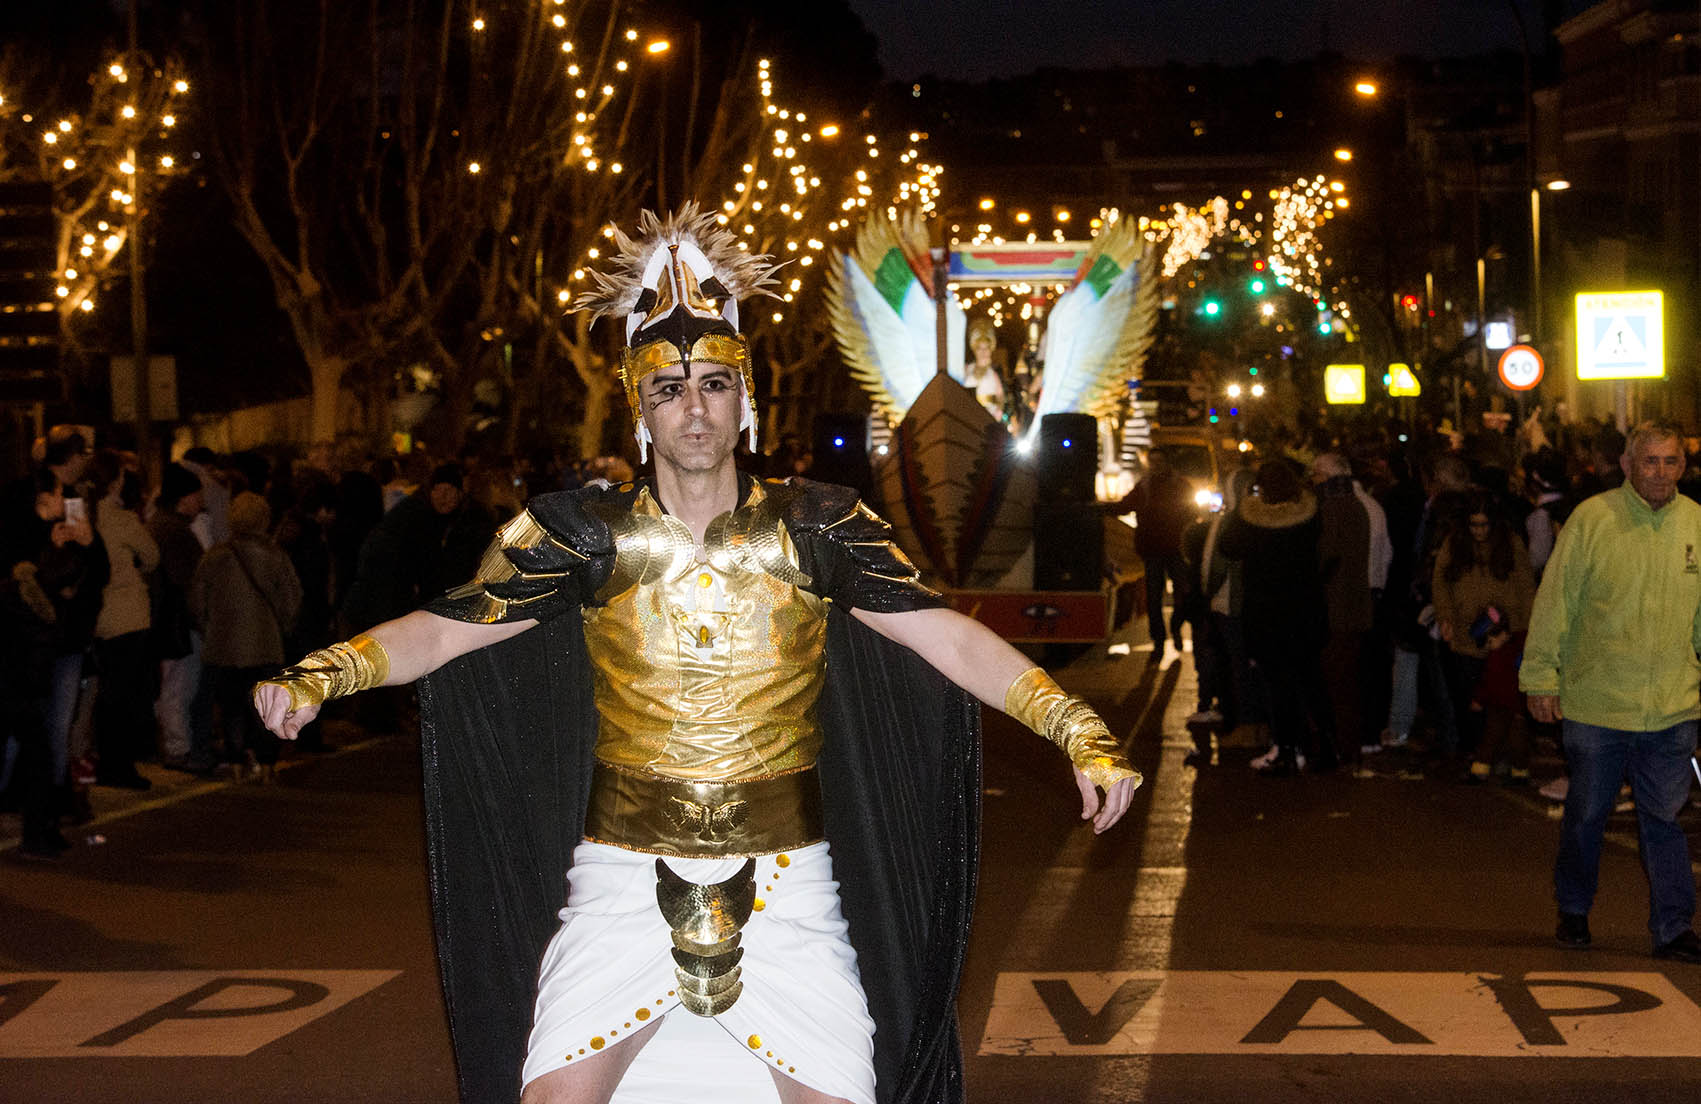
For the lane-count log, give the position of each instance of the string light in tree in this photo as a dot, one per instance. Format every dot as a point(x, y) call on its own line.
point(1287, 235)
point(798, 179)
point(109, 145)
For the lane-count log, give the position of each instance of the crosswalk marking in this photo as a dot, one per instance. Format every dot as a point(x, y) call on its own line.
point(161, 1014)
point(1584, 1015)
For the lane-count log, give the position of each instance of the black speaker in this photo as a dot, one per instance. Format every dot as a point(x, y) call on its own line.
point(839, 451)
point(1067, 457)
point(1068, 544)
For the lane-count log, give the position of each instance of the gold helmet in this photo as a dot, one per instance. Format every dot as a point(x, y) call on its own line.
point(677, 286)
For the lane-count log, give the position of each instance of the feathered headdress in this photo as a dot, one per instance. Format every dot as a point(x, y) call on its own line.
point(677, 286)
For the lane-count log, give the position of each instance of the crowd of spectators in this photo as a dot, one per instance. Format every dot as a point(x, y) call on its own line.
point(1354, 594)
point(1369, 591)
point(135, 615)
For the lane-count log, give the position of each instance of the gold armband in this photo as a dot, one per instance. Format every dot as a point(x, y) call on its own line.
point(1070, 723)
point(335, 672)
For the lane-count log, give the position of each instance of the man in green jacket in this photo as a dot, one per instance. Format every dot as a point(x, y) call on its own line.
point(1612, 653)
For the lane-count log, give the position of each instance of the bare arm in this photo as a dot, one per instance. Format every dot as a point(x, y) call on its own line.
point(417, 644)
point(977, 659)
point(958, 647)
point(421, 642)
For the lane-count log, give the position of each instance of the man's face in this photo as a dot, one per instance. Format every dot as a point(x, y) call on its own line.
point(445, 497)
point(693, 419)
point(1653, 468)
point(75, 465)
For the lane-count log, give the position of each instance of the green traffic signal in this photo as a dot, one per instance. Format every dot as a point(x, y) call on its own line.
point(1212, 307)
point(1257, 286)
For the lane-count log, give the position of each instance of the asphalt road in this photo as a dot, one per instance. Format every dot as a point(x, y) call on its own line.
point(1330, 938)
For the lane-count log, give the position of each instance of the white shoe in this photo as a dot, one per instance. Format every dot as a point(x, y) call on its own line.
point(1557, 789)
point(1370, 749)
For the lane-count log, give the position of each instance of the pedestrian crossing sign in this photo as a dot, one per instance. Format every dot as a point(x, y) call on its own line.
point(1620, 335)
point(1403, 382)
point(1343, 383)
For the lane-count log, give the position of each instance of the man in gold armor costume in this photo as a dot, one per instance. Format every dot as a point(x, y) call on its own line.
point(726, 675)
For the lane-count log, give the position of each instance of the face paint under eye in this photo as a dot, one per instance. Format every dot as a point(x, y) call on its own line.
point(666, 393)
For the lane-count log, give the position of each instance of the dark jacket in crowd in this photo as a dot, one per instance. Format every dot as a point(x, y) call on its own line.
point(360, 507)
point(73, 577)
point(179, 555)
point(1163, 507)
point(1343, 549)
point(414, 555)
point(306, 541)
point(1282, 593)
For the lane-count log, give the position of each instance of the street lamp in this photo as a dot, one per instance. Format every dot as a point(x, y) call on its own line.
point(1365, 88)
point(1343, 154)
point(1536, 255)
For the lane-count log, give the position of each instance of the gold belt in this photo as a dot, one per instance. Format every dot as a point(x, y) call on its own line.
point(703, 820)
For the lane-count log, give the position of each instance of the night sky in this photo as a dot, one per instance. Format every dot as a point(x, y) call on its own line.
point(976, 39)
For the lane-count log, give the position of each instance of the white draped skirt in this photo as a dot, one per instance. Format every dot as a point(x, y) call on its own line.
point(608, 974)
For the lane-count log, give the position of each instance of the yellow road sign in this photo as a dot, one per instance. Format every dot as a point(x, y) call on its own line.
point(1343, 383)
point(1403, 382)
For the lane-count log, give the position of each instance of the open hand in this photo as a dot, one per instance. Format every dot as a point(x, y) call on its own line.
point(271, 701)
point(1115, 803)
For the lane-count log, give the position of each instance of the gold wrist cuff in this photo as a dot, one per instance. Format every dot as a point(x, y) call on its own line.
point(335, 672)
point(1037, 701)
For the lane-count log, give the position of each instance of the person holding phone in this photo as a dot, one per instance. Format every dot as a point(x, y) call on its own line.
point(61, 565)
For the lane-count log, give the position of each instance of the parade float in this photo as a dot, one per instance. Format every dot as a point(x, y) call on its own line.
point(972, 495)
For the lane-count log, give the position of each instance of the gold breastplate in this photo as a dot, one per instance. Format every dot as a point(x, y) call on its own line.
point(708, 664)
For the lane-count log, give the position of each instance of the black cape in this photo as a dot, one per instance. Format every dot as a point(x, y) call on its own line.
point(507, 735)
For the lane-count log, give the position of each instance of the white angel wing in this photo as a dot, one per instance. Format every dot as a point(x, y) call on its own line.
point(880, 346)
point(885, 324)
point(1096, 339)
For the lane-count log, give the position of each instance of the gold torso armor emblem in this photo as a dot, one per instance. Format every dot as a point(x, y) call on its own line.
point(708, 662)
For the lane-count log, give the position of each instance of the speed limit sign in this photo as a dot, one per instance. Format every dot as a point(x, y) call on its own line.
point(1520, 367)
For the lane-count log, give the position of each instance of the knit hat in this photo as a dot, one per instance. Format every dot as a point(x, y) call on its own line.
point(176, 484)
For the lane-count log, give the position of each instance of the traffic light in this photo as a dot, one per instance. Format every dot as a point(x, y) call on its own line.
point(1257, 286)
point(1213, 308)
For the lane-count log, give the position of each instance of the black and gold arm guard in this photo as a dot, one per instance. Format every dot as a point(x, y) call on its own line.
point(335, 672)
point(1070, 723)
point(848, 551)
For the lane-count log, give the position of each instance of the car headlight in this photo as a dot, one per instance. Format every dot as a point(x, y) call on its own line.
point(1202, 497)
